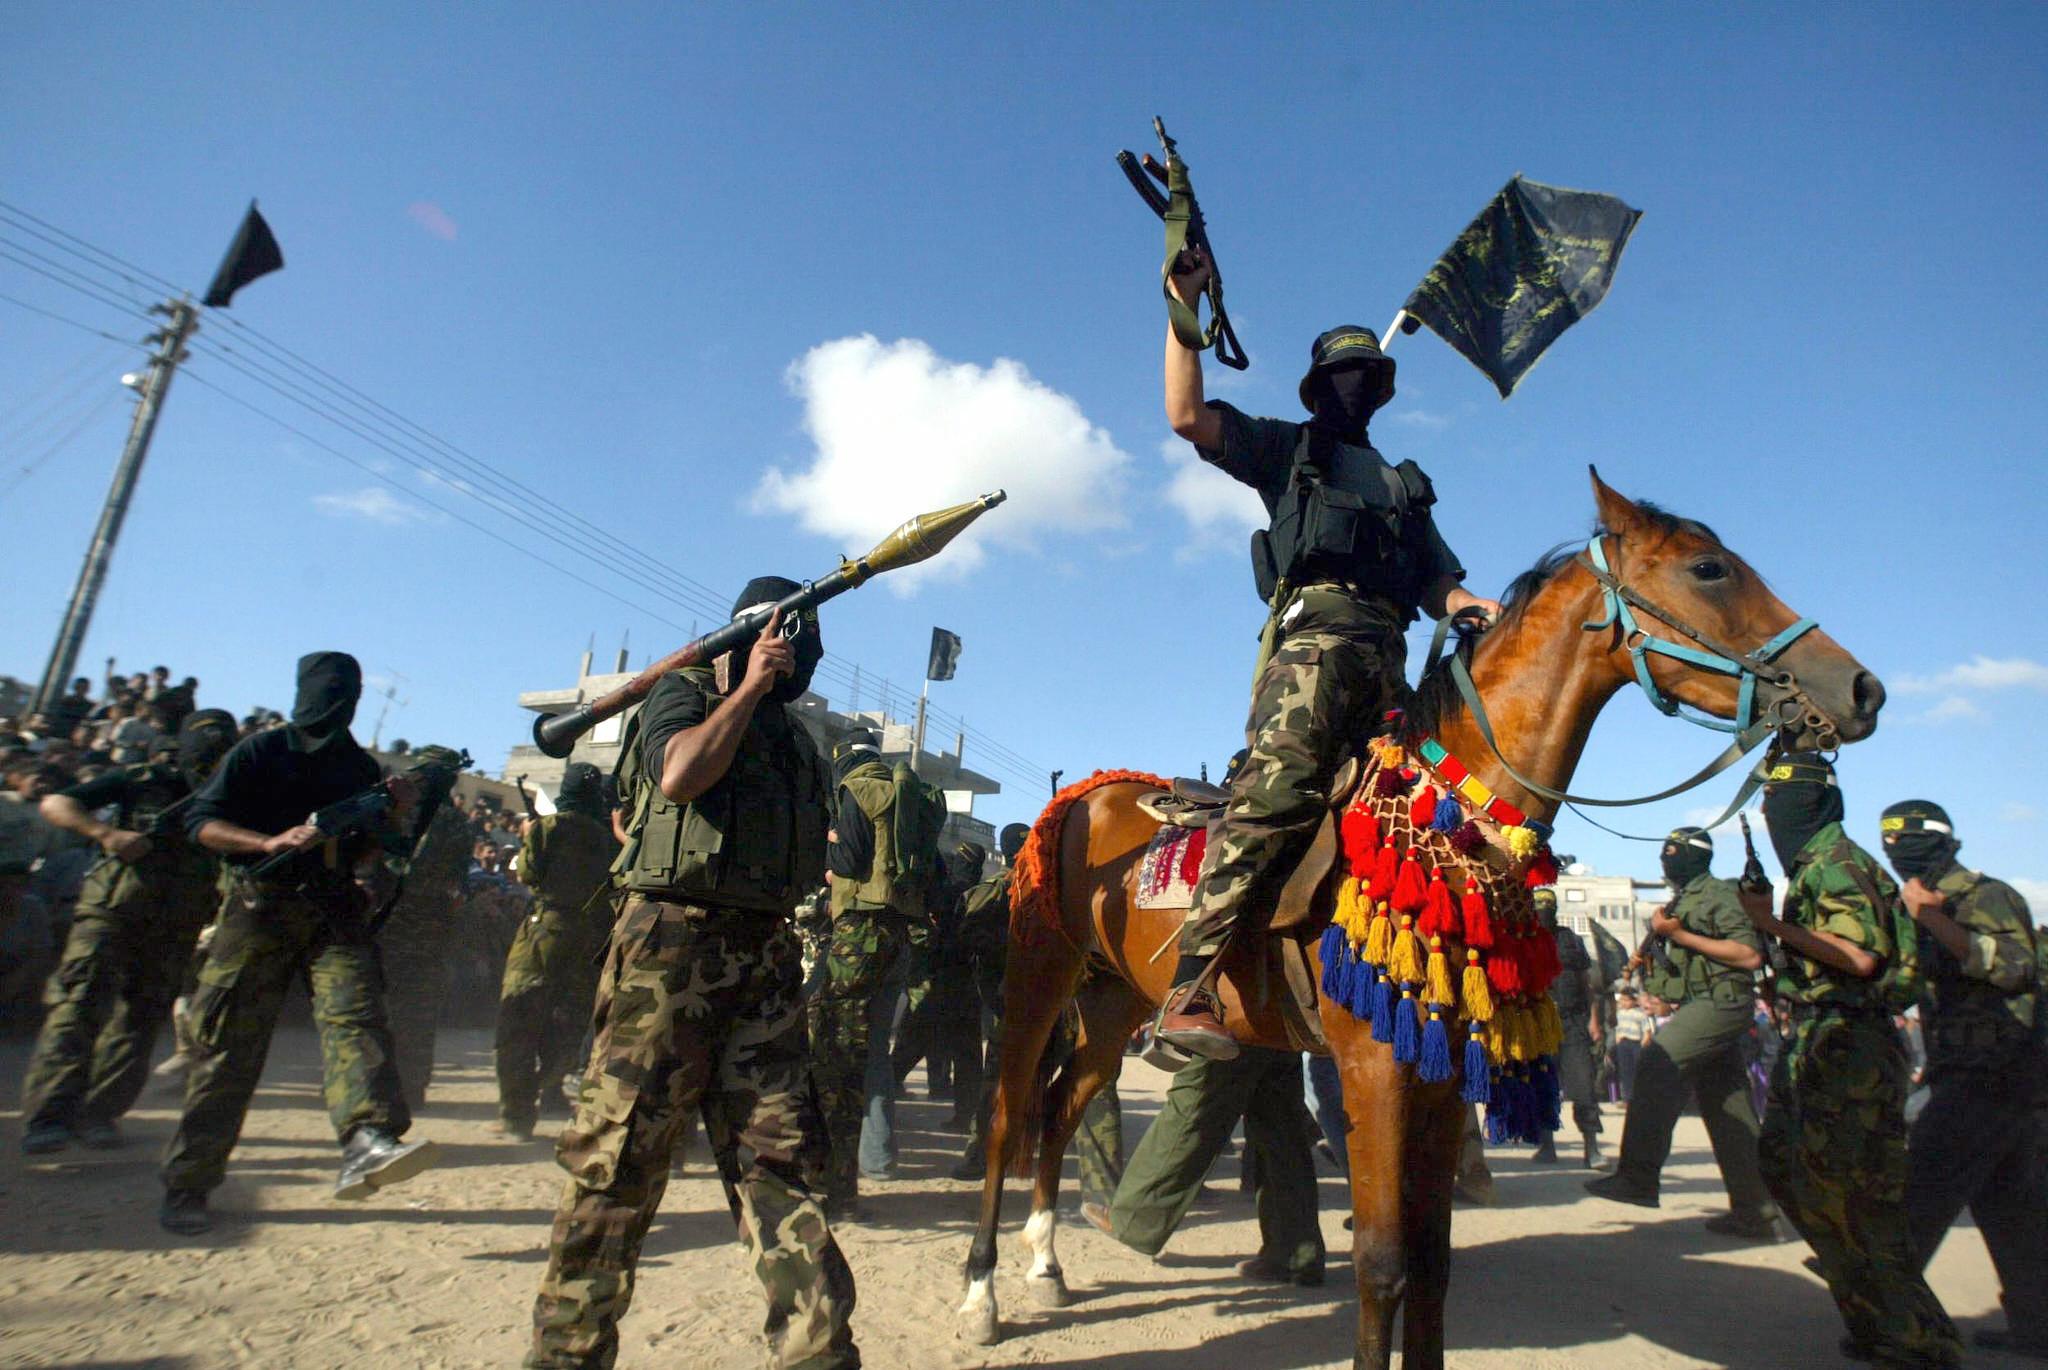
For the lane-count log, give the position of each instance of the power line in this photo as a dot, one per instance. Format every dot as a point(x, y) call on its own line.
point(98, 407)
point(50, 314)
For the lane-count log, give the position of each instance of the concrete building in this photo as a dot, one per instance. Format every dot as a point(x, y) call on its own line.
point(600, 747)
point(1619, 904)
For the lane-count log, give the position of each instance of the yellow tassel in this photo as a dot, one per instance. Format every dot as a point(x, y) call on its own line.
point(1440, 990)
point(1346, 916)
point(1379, 940)
point(1522, 841)
point(1497, 1038)
point(1517, 1032)
point(1478, 999)
point(1549, 1028)
point(1392, 757)
point(1405, 964)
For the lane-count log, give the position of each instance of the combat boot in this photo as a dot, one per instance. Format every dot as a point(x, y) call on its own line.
point(1546, 1150)
point(183, 1211)
point(100, 1136)
point(41, 1139)
point(517, 1129)
point(373, 1159)
point(1260, 1270)
point(1751, 1227)
point(1621, 1191)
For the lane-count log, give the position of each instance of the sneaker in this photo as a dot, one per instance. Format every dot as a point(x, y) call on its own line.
point(1260, 1270)
point(41, 1139)
point(100, 1136)
point(1621, 1191)
point(1193, 1022)
point(372, 1160)
point(183, 1211)
point(1751, 1227)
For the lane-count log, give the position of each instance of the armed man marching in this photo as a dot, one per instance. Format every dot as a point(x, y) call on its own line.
point(1714, 953)
point(413, 944)
point(1980, 1141)
point(1580, 1029)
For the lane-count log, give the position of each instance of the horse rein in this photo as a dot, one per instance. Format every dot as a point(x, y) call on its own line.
point(1620, 602)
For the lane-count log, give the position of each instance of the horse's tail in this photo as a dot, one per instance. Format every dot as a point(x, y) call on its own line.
point(1034, 915)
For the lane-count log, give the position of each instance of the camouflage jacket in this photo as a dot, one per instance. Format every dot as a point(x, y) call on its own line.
point(1711, 908)
point(1824, 897)
point(1979, 1011)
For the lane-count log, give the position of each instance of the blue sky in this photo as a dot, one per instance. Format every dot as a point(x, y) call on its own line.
point(641, 259)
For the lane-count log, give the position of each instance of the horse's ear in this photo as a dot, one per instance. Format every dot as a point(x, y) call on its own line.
point(1618, 513)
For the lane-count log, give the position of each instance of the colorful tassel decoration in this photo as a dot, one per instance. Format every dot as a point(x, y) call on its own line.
point(1404, 964)
point(1449, 815)
point(1504, 971)
point(1392, 756)
point(1435, 1065)
point(1386, 864)
point(1542, 870)
point(1387, 784)
point(1478, 921)
point(1439, 989)
point(1361, 833)
point(1522, 841)
point(1335, 951)
point(1407, 1034)
point(1423, 809)
point(1409, 890)
point(1467, 839)
point(1477, 1087)
point(1544, 963)
point(1381, 1004)
point(1379, 938)
point(1549, 1027)
point(1477, 997)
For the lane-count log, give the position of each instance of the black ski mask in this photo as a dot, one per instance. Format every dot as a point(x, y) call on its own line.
point(857, 747)
point(1688, 852)
point(1546, 908)
point(582, 790)
point(203, 739)
point(1919, 839)
point(803, 635)
point(330, 683)
point(1345, 400)
point(1800, 798)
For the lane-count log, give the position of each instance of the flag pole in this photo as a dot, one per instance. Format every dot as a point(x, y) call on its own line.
point(1393, 330)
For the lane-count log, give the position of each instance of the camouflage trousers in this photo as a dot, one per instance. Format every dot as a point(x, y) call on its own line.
point(266, 936)
point(696, 1007)
point(1316, 702)
point(850, 1013)
point(123, 965)
point(412, 951)
point(1833, 1151)
point(543, 1006)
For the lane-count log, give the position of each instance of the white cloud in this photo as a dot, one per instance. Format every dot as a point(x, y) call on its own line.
point(1221, 512)
point(2016, 812)
point(1979, 673)
point(372, 502)
point(1429, 420)
point(1949, 709)
point(2035, 892)
point(897, 429)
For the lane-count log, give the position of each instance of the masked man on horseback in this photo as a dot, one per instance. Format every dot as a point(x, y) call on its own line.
point(1351, 555)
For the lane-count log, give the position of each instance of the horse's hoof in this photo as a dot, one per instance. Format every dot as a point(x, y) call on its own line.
point(1048, 1291)
point(979, 1326)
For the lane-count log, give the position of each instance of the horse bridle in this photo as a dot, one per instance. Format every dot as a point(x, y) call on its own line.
point(1620, 603)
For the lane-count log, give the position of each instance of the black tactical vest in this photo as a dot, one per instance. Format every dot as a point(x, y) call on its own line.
point(1346, 515)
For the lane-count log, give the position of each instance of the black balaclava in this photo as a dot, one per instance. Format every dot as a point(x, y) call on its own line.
point(1800, 798)
point(1011, 840)
point(859, 746)
point(1546, 908)
point(973, 856)
point(203, 739)
point(582, 790)
point(809, 647)
point(1345, 398)
point(1688, 853)
point(1919, 838)
point(330, 683)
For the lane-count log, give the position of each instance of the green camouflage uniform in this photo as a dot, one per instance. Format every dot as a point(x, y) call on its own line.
point(124, 962)
point(700, 1005)
point(1700, 1049)
point(412, 946)
point(1979, 1141)
point(268, 934)
point(1575, 1050)
point(1833, 1147)
point(551, 971)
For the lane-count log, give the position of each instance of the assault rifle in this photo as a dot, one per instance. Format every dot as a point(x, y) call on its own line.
point(526, 798)
point(1186, 232)
point(343, 819)
point(1754, 880)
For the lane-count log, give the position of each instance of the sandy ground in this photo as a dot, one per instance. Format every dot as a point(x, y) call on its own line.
point(441, 1272)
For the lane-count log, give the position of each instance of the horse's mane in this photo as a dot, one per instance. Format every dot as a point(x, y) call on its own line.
point(1435, 699)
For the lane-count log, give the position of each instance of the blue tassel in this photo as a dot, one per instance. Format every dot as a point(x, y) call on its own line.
point(1334, 949)
point(1407, 1038)
point(1363, 1001)
point(1548, 1096)
point(1478, 1076)
point(1382, 1009)
point(1497, 1133)
point(1448, 817)
point(1350, 989)
point(1435, 1066)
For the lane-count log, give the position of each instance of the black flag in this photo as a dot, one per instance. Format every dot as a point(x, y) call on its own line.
point(1535, 262)
point(253, 253)
point(945, 655)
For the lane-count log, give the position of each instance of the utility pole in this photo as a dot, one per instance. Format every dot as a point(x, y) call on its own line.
point(163, 364)
point(390, 693)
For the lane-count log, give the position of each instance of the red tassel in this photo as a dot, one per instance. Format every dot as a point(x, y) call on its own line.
point(1546, 964)
point(1387, 784)
point(1542, 870)
point(1361, 831)
point(1503, 972)
point(1467, 839)
point(1439, 910)
point(1385, 865)
point(1423, 810)
point(1409, 891)
point(1478, 922)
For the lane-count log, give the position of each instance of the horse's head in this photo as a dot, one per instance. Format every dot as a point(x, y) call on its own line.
point(1681, 585)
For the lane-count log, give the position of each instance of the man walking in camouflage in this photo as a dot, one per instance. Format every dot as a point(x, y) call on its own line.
point(412, 946)
point(1979, 1141)
point(1572, 992)
point(700, 1004)
point(138, 916)
point(565, 858)
point(1352, 554)
point(1833, 1147)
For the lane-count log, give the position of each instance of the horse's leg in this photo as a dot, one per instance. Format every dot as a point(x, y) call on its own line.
point(1436, 1130)
point(1035, 989)
point(1110, 1011)
point(1376, 1101)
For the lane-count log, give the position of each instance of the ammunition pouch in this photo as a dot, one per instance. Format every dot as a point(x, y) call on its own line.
point(1347, 515)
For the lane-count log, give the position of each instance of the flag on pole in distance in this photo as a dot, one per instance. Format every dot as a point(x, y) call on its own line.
point(1536, 261)
point(945, 655)
point(253, 253)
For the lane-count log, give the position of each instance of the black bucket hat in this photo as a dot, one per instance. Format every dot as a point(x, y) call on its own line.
point(1347, 345)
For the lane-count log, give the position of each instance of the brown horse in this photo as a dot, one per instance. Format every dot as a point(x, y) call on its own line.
point(1543, 674)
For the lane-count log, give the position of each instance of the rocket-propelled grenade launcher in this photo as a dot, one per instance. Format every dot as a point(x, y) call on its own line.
point(918, 539)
